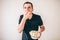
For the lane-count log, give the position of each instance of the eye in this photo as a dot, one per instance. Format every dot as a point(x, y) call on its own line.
point(24, 7)
point(28, 7)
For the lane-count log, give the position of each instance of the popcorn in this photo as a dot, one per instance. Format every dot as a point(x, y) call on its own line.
point(34, 34)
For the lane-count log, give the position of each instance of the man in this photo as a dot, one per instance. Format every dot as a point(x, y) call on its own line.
point(30, 21)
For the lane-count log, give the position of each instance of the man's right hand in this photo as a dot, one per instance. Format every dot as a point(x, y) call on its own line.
point(27, 16)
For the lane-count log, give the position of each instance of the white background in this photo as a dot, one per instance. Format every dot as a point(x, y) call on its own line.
point(10, 10)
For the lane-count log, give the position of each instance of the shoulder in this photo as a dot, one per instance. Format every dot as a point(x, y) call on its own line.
point(36, 15)
point(21, 15)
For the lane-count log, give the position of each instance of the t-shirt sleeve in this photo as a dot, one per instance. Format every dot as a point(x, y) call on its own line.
point(20, 19)
point(40, 22)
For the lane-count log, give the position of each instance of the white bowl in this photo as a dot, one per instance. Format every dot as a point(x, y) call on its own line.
point(34, 34)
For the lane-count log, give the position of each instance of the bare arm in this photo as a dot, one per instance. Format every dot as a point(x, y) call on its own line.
point(41, 29)
point(22, 24)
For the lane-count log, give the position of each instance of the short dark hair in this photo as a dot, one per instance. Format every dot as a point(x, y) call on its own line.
point(28, 3)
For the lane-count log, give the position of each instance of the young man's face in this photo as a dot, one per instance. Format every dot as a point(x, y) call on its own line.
point(27, 8)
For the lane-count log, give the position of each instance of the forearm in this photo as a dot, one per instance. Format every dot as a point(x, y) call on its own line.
point(21, 25)
point(41, 29)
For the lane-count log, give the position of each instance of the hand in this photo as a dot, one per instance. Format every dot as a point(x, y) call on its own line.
point(27, 15)
point(39, 34)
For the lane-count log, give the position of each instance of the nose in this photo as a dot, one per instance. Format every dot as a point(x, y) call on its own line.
point(27, 9)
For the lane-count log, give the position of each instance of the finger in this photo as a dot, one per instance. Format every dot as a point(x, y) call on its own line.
point(29, 13)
